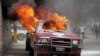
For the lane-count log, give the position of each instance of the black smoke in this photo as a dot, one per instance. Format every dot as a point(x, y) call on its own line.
point(39, 2)
point(6, 4)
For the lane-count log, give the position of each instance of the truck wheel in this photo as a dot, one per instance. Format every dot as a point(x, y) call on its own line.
point(63, 55)
point(51, 55)
point(58, 55)
point(76, 55)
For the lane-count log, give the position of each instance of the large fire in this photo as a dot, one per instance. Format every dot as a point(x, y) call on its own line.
point(29, 17)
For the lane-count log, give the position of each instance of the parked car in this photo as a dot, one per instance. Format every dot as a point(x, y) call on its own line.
point(21, 32)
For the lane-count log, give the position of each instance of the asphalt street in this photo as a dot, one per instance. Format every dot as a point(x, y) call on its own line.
point(91, 46)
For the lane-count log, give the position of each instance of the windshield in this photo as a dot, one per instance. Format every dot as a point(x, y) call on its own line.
point(50, 25)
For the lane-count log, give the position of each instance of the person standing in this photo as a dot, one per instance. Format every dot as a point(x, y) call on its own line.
point(96, 30)
point(82, 31)
point(27, 41)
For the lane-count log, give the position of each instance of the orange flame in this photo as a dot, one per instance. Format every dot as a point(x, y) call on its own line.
point(29, 17)
point(59, 21)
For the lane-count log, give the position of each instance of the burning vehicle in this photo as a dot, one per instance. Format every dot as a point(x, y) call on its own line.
point(55, 42)
point(52, 35)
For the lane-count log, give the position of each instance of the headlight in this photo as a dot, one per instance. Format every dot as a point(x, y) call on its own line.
point(75, 42)
point(43, 39)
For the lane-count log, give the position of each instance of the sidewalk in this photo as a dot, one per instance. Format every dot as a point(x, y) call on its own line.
point(17, 49)
point(19, 44)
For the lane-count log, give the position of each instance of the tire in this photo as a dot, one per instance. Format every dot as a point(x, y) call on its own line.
point(21, 36)
point(63, 55)
point(76, 55)
point(58, 54)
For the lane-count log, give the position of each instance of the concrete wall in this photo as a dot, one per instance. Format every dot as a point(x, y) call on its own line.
point(5, 34)
point(0, 31)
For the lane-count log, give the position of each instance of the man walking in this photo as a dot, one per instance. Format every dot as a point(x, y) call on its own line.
point(82, 31)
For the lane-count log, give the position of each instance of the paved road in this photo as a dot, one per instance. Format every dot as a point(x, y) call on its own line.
point(91, 46)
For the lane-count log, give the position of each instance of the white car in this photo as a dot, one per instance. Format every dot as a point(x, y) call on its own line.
point(21, 32)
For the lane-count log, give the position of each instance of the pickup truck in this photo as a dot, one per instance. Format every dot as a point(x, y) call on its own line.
point(47, 42)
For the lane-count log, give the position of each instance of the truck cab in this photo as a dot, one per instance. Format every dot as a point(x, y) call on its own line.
point(48, 42)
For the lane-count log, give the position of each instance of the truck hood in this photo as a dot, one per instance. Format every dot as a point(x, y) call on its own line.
point(58, 34)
